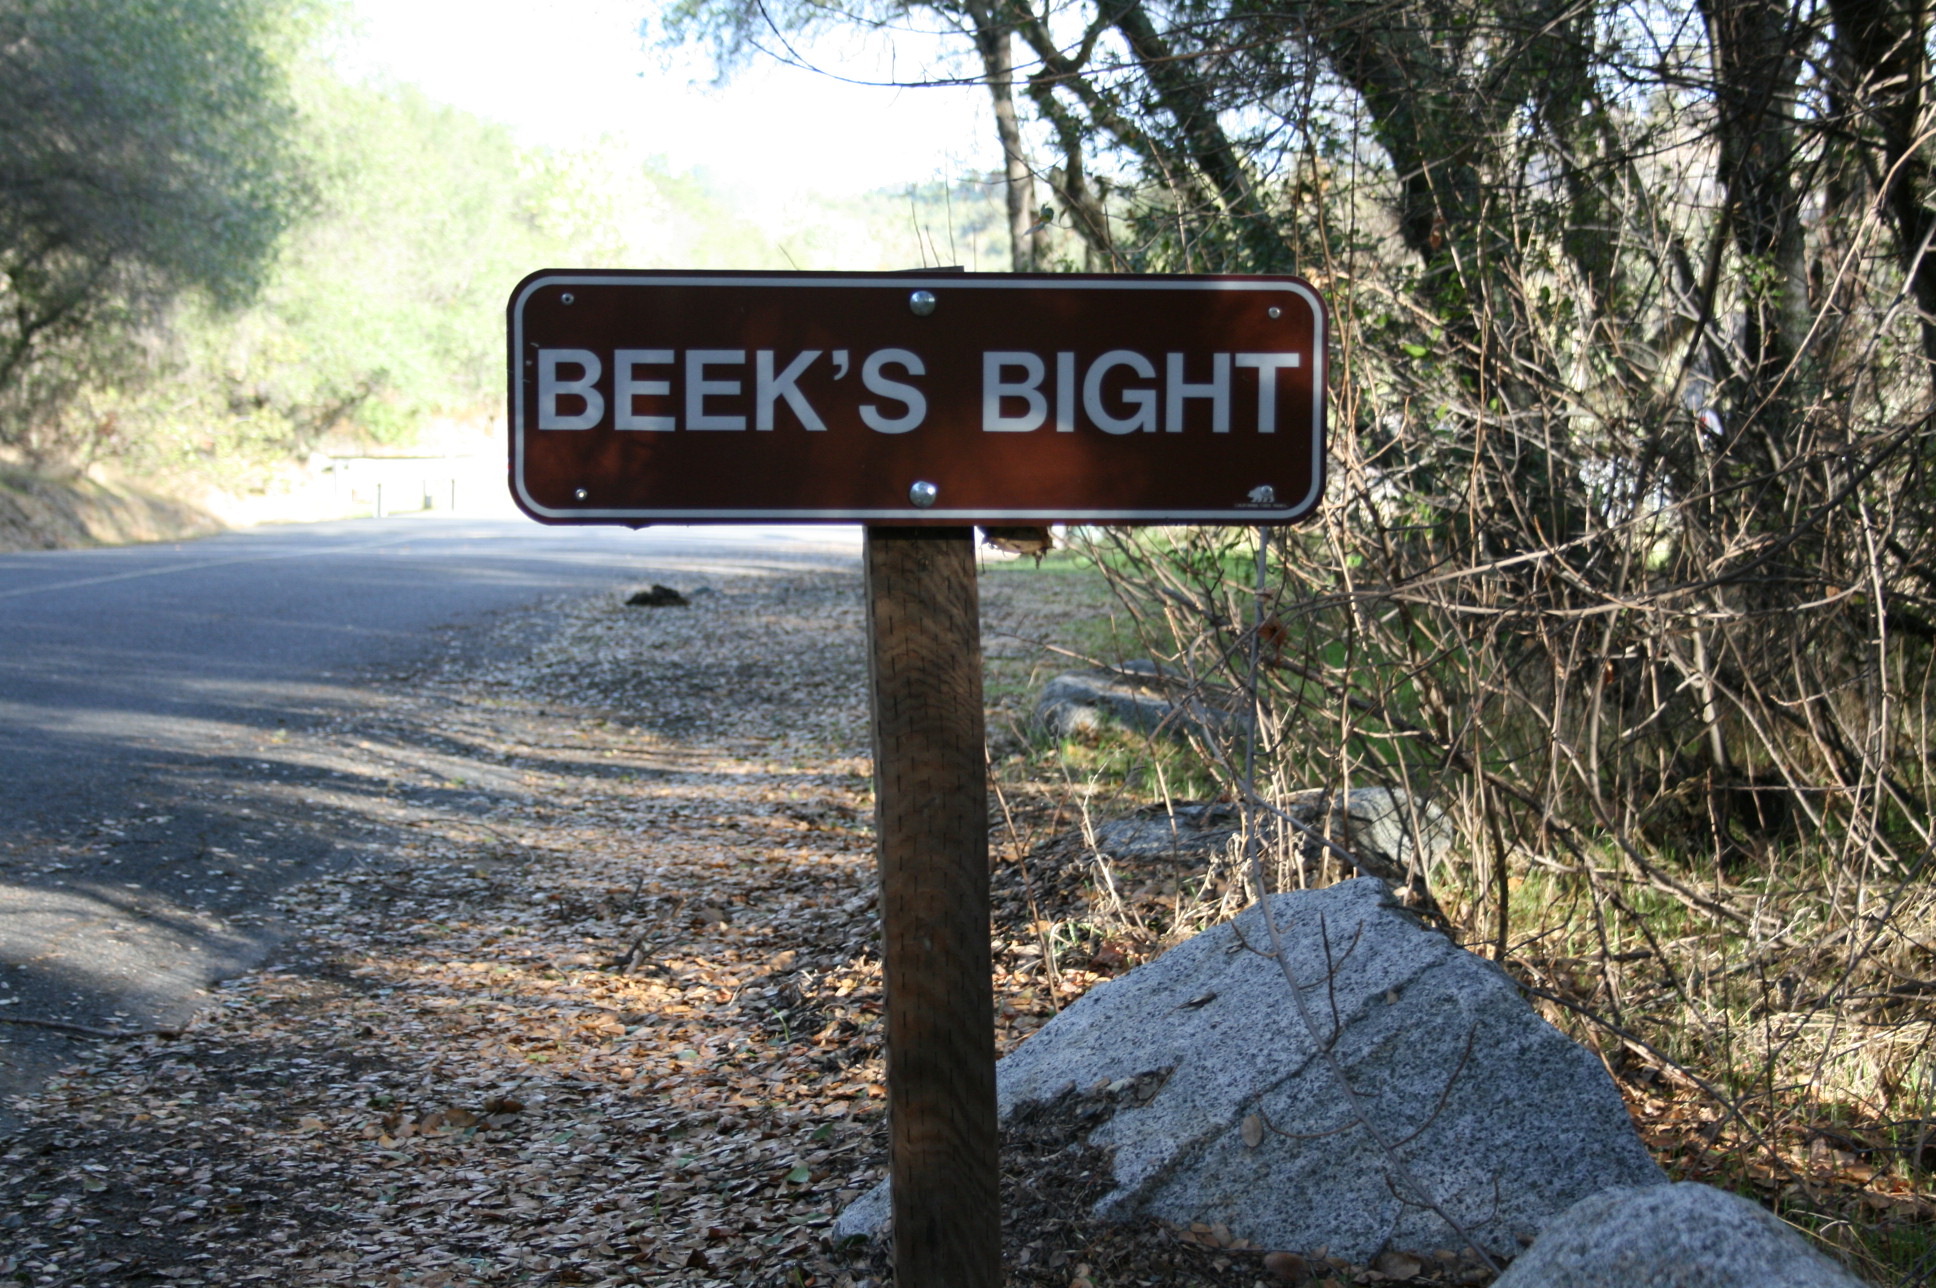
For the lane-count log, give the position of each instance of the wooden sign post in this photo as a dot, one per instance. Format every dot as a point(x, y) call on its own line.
point(919, 405)
point(931, 819)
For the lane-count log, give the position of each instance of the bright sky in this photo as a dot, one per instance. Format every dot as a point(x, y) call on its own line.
point(565, 72)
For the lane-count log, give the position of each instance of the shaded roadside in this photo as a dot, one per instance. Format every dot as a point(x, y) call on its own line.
point(609, 1014)
point(186, 731)
point(617, 1020)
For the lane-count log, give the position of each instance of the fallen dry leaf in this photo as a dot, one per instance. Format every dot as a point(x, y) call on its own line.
point(1287, 1266)
point(1397, 1265)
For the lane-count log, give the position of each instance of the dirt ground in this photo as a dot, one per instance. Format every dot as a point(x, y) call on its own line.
point(618, 1025)
point(613, 1016)
point(41, 512)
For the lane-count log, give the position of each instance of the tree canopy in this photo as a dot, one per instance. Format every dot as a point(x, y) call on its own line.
point(218, 249)
point(146, 149)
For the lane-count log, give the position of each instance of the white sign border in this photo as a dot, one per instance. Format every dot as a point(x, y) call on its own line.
point(1235, 515)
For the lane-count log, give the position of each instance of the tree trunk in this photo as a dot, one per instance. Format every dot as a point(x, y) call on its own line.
point(1883, 75)
point(1756, 62)
point(1188, 100)
point(994, 41)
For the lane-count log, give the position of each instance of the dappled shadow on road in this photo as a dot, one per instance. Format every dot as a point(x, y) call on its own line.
point(144, 864)
point(84, 931)
point(587, 955)
point(608, 1010)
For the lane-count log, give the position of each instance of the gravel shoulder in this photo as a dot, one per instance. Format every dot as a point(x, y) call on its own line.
point(609, 1013)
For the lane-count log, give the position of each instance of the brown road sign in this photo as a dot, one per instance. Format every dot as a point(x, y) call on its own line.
point(641, 397)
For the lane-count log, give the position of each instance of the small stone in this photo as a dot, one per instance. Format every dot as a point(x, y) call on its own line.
point(1389, 831)
point(1671, 1236)
point(1083, 702)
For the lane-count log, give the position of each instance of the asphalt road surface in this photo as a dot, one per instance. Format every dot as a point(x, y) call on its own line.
point(159, 777)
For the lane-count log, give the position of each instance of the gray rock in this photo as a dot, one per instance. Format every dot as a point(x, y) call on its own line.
point(1136, 695)
point(1083, 702)
point(866, 1216)
point(1186, 830)
point(1375, 823)
point(1390, 826)
point(1503, 1118)
point(1671, 1236)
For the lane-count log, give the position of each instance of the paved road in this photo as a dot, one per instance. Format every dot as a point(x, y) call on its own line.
point(159, 773)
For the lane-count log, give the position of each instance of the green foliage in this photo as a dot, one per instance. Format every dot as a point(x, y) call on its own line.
point(147, 151)
point(384, 307)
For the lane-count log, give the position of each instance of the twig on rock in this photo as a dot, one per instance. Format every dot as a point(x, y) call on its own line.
point(1401, 1172)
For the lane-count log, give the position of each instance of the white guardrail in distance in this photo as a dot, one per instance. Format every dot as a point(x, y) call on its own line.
point(399, 484)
